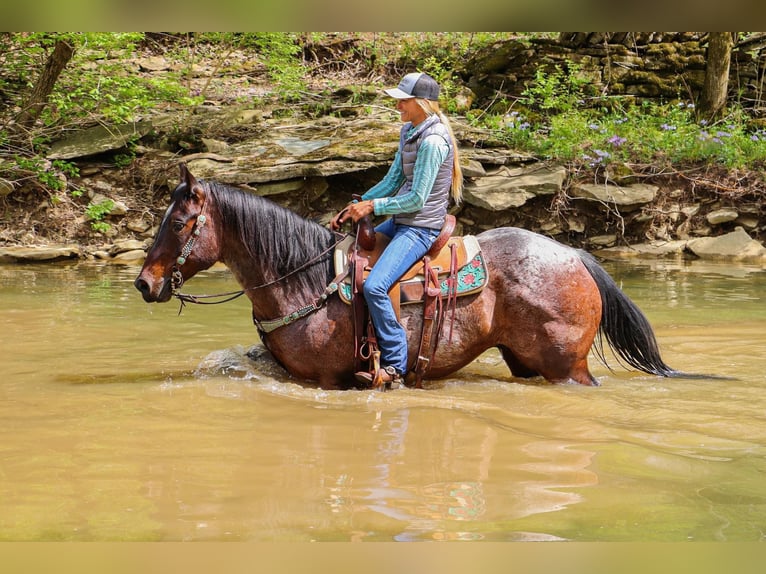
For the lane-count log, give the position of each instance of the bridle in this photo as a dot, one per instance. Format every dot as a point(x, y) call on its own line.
point(176, 277)
point(177, 281)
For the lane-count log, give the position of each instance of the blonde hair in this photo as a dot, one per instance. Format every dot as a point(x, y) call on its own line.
point(431, 107)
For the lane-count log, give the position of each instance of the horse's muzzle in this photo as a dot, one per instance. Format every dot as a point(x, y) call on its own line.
point(153, 292)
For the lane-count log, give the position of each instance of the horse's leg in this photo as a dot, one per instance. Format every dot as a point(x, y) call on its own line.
point(572, 372)
point(563, 333)
point(549, 334)
point(518, 369)
point(580, 376)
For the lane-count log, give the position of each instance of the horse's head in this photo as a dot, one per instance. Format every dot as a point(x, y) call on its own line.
point(186, 242)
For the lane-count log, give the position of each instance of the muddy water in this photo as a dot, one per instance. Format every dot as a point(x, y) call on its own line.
point(124, 421)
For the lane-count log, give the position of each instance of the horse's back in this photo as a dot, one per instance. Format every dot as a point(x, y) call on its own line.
point(529, 257)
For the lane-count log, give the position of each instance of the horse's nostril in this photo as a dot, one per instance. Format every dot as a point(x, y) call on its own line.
point(146, 289)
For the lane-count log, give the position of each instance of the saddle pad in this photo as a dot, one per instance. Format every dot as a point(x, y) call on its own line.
point(471, 277)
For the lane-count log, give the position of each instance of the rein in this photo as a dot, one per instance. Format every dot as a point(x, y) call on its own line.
point(177, 282)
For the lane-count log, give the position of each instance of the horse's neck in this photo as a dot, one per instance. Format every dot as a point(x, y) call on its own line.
point(270, 297)
point(250, 276)
point(247, 275)
point(256, 269)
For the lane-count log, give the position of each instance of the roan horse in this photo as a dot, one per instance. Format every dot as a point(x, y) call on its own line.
point(544, 306)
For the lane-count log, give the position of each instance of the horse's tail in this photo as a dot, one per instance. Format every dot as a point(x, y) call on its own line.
point(626, 328)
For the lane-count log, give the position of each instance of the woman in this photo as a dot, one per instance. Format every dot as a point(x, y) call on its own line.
point(415, 192)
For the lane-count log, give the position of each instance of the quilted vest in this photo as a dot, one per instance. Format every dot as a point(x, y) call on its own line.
point(435, 208)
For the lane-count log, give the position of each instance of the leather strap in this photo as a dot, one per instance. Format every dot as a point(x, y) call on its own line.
point(452, 290)
point(358, 308)
point(431, 310)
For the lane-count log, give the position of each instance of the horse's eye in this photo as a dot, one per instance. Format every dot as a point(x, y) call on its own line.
point(178, 226)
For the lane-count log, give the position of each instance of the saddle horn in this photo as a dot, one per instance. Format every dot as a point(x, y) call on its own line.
point(364, 229)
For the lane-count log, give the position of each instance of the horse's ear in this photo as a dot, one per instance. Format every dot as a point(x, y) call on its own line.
point(184, 171)
point(194, 190)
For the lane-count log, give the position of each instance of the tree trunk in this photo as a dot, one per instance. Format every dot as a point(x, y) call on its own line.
point(38, 97)
point(716, 86)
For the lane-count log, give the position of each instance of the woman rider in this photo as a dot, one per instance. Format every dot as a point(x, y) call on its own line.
point(415, 192)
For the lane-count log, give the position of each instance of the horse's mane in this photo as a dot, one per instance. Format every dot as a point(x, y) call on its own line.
point(280, 239)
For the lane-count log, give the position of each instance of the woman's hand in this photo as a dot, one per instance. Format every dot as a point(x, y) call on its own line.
point(359, 210)
point(354, 211)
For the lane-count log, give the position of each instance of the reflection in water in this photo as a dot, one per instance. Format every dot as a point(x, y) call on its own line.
point(430, 482)
point(125, 421)
point(542, 475)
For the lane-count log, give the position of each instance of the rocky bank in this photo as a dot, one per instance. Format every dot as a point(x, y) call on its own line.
point(312, 163)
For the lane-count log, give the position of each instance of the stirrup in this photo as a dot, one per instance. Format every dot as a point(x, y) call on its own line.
point(384, 378)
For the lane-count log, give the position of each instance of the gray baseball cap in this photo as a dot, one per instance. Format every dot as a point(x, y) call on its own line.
point(415, 85)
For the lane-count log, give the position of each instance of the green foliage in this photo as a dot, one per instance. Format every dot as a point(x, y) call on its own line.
point(277, 50)
point(449, 48)
point(124, 159)
point(280, 51)
point(95, 84)
point(555, 90)
point(67, 168)
point(670, 133)
point(52, 175)
point(443, 76)
point(439, 54)
point(100, 226)
point(556, 116)
point(110, 93)
point(48, 178)
point(96, 213)
point(557, 120)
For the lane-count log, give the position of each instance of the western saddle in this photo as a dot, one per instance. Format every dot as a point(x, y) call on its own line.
point(432, 281)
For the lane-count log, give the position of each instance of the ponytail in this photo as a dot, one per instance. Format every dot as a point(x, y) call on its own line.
point(432, 107)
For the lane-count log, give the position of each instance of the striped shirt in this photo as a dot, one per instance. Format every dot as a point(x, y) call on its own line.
point(431, 154)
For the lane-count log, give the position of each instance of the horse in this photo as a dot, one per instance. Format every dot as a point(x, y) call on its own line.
point(545, 305)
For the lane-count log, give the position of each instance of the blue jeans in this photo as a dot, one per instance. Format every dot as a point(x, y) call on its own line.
point(408, 245)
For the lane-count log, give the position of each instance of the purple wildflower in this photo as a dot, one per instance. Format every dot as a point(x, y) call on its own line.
point(616, 140)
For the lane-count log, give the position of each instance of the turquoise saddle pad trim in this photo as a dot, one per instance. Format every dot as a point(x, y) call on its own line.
point(470, 278)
